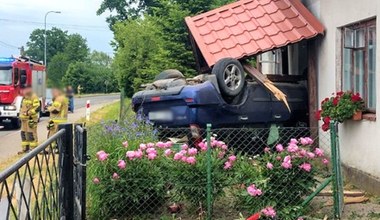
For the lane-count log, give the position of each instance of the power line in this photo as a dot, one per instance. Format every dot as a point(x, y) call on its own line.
point(8, 45)
point(68, 26)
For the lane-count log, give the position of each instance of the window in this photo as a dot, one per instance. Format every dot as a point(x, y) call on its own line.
point(16, 76)
point(359, 61)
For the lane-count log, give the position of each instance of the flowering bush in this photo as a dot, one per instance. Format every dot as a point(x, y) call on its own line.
point(339, 108)
point(125, 177)
point(275, 183)
point(189, 171)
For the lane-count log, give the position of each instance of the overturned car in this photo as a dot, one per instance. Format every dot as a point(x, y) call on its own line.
point(225, 98)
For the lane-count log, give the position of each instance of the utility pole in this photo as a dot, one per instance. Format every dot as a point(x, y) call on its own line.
point(57, 12)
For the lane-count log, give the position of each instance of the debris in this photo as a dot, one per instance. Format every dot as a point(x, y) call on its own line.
point(346, 193)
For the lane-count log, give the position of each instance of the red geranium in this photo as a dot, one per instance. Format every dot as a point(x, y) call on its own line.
point(336, 101)
point(318, 115)
point(356, 97)
point(325, 127)
point(340, 93)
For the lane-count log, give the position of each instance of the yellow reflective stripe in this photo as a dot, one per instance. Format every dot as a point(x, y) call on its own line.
point(59, 120)
point(24, 143)
point(56, 104)
point(33, 144)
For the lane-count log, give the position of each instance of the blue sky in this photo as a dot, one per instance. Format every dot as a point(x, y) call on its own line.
point(18, 18)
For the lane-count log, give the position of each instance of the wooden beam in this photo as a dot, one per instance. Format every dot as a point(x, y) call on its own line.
point(312, 82)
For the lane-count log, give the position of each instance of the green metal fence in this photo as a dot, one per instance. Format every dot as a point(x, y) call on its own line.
point(224, 173)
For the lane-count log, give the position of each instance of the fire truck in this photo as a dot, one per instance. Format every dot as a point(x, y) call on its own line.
point(16, 73)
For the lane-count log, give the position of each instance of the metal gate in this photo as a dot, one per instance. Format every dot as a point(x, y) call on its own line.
point(80, 158)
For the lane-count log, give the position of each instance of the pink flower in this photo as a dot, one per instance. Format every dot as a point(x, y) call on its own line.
point(306, 141)
point(220, 143)
point(253, 191)
point(279, 148)
point(143, 146)
point(310, 155)
point(232, 158)
point(267, 150)
point(221, 154)
point(151, 156)
point(130, 154)
point(151, 150)
point(125, 144)
point(224, 147)
point(202, 146)
point(115, 176)
point(184, 147)
point(278, 158)
point(183, 152)
point(121, 164)
point(96, 180)
point(102, 155)
point(160, 144)
point(168, 144)
point(292, 148)
point(138, 154)
point(192, 151)
point(191, 160)
point(214, 143)
point(177, 156)
point(302, 152)
point(167, 152)
point(293, 141)
point(149, 145)
point(227, 165)
point(325, 161)
point(269, 212)
point(306, 167)
point(319, 152)
point(269, 165)
point(184, 159)
point(287, 163)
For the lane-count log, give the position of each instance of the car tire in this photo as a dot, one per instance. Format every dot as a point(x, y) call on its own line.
point(230, 76)
point(16, 123)
point(169, 74)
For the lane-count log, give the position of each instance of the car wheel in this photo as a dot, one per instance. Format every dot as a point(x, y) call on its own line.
point(16, 123)
point(169, 74)
point(230, 76)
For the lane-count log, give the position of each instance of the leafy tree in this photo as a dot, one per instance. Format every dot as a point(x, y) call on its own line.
point(56, 40)
point(92, 77)
point(76, 49)
point(101, 58)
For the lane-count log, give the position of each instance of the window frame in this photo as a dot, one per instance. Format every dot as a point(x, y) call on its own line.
point(367, 24)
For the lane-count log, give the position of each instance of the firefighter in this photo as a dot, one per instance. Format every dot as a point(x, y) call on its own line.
point(29, 111)
point(58, 111)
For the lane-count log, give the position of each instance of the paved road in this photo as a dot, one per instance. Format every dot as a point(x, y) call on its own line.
point(78, 103)
point(10, 139)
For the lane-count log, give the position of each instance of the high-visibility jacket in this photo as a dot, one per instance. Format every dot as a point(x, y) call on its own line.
point(58, 110)
point(29, 107)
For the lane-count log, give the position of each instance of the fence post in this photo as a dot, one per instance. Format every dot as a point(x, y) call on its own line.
point(122, 104)
point(209, 180)
point(337, 175)
point(66, 190)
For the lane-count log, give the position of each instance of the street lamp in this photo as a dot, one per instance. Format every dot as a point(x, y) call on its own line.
point(57, 12)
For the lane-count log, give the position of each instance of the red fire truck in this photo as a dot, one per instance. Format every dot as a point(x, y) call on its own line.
point(16, 74)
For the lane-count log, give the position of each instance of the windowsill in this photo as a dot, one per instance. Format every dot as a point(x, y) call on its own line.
point(369, 116)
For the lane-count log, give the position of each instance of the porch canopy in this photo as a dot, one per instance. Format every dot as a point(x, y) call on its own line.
point(249, 27)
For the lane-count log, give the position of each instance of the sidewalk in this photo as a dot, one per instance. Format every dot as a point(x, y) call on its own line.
point(10, 143)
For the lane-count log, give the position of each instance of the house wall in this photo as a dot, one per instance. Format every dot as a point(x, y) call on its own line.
point(359, 141)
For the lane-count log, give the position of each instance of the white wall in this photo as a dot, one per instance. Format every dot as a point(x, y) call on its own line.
point(359, 141)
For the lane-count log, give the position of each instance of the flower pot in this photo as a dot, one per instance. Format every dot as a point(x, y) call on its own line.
point(357, 116)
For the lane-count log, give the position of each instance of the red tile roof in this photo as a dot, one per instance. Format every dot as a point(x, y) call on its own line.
point(247, 27)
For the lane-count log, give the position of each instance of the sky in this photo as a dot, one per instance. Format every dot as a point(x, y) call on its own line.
point(18, 18)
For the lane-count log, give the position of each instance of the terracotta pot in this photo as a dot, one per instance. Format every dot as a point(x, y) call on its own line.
point(357, 116)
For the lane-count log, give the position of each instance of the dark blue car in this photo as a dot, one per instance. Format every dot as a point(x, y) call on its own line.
point(182, 105)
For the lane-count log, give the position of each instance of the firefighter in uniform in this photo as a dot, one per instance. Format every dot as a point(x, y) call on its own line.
point(29, 111)
point(58, 111)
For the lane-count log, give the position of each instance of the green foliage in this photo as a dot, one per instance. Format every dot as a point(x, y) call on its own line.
point(282, 188)
point(140, 188)
point(158, 40)
point(57, 69)
point(56, 40)
point(93, 76)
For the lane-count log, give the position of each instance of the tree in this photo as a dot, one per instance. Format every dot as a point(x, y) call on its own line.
point(101, 58)
point(75, 50)
point(93, 78)
point(56, 40)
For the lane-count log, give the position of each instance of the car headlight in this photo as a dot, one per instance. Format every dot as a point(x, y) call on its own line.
point(10, 108)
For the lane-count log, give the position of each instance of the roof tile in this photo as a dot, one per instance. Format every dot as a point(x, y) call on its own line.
point(247, 27)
